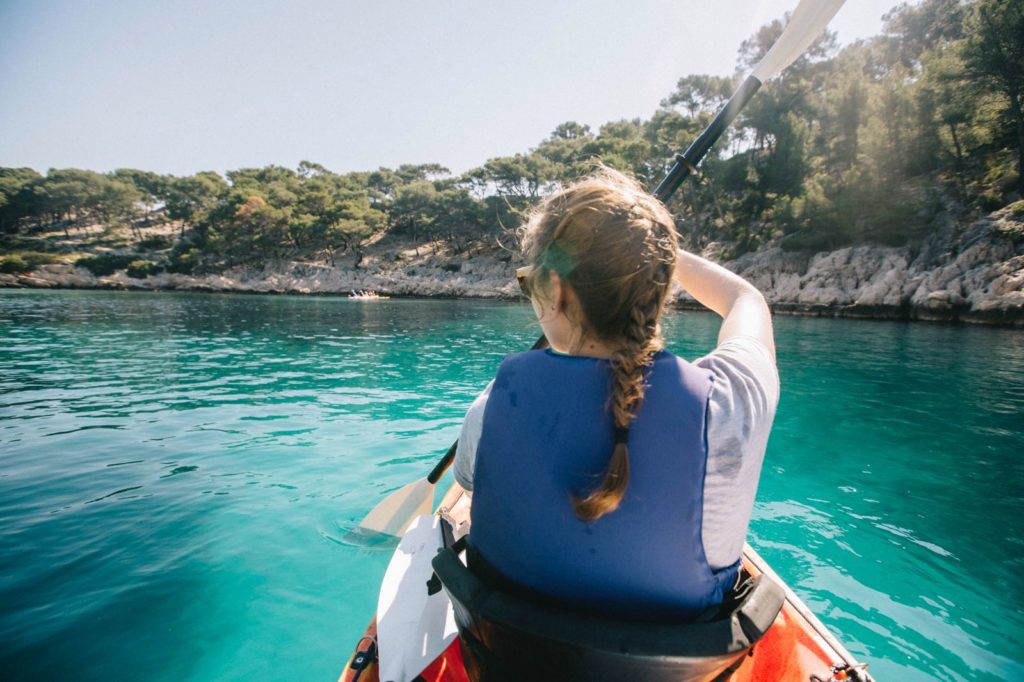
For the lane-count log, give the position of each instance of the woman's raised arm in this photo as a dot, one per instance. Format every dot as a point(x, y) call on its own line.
point(742, 307)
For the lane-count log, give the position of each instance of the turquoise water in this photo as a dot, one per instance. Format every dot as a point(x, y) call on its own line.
point(176, 472)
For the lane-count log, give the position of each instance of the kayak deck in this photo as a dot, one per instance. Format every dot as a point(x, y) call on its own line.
point(796, 647)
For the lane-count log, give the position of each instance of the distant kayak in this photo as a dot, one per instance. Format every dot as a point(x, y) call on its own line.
point(366, 296)
point(415, 634)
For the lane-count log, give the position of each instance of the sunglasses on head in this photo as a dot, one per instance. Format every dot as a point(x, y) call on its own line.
point(523, 277)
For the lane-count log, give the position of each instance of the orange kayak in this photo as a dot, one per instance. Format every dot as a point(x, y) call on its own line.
point(796, 646)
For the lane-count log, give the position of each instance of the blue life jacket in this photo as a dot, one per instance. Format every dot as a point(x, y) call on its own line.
point(547, 435)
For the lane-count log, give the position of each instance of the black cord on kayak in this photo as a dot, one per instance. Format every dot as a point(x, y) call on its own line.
point(845, 672)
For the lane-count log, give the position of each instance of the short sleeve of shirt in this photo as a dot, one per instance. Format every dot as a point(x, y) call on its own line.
point(469, 438)
point(741, 408)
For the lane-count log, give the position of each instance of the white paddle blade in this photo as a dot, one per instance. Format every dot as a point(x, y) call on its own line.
point(396, 512)
point(806, 23)
point(413, 627)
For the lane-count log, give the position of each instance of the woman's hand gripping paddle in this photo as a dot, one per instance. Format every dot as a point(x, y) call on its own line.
point(392, 516)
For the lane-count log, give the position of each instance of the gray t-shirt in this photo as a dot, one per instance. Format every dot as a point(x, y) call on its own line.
point(741, 408)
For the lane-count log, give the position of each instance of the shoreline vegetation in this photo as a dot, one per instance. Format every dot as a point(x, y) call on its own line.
point(884, 179)
point(972, 274)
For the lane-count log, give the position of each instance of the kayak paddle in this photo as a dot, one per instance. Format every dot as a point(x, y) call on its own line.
point(806, 23)
point(392, 516)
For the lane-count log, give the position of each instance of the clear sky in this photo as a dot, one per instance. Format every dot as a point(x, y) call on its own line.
point(179, 86)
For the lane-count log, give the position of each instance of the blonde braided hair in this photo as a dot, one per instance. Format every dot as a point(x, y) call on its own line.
point(615, 246)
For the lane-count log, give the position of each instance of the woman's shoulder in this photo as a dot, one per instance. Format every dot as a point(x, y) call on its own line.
point(739, 349)
point(743, 364)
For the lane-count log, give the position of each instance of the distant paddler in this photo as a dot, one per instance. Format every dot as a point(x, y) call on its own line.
point(367, 296)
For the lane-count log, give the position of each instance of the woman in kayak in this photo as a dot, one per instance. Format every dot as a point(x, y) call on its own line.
point(607, 473)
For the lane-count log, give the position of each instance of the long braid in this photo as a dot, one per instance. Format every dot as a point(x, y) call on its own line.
point(614, 246)
point(629, 365)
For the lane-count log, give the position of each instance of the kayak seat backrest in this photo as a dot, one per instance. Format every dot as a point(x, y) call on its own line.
point(508, 635)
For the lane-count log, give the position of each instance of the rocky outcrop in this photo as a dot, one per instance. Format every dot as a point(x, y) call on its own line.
point(431, 275)
point(973, 274)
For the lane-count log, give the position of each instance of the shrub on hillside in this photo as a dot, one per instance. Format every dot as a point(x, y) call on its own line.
point(154, 243)
point(184, 258)
point(25, 261)
point(1012, 226)
point(999, 183)
point(1016, 210)
point(105, 264)
point(141, 269)
point(1012, 231)
point(807, 240)
point(13, 264)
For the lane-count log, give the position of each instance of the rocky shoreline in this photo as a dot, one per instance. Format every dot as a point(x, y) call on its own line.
point(972, 274)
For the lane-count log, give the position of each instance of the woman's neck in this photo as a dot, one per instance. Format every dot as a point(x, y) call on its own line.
point(588, 348)
point(564, 334)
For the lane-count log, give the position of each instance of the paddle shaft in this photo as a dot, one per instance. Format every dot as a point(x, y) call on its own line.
point(686, 163)
point(442, 466)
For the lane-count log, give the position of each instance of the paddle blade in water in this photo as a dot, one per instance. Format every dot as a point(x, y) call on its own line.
point(394, 514)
